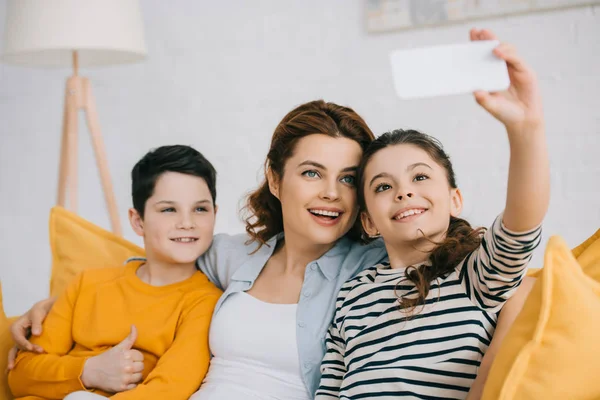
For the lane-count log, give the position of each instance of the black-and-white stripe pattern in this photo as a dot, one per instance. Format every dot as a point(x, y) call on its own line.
point(376, 351)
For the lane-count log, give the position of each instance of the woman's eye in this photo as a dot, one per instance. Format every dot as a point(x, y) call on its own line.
point(382, 187)
point(201, 209)
point(311, 173)
point(421, 177)
point(168, 210)
point(349, 179)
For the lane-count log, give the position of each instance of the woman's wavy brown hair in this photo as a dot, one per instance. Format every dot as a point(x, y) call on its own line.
point(265, 218)
point(460, 240)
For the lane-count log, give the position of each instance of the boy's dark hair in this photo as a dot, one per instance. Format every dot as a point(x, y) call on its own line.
point(176, 158)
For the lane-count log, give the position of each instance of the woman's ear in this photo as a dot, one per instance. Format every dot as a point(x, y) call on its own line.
point(273, 181)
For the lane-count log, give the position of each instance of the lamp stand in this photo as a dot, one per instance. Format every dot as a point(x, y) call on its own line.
point(78, 96)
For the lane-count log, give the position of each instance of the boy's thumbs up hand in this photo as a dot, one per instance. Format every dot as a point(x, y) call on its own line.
point(117, 369)
point(129, 341)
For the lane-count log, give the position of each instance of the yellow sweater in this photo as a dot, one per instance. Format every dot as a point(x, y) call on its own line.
point(96, 312)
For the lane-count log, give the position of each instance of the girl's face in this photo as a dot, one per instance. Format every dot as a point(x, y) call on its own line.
point(407, 196)
point(317, 191)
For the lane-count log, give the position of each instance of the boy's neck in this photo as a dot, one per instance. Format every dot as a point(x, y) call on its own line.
point(156, 273)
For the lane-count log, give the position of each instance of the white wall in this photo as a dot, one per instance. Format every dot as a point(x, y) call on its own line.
point(220, 76)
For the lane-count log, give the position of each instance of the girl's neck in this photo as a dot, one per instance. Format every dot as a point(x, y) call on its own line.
point(405, 254)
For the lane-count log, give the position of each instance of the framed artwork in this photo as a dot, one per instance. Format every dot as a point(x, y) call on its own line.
point(390, 15)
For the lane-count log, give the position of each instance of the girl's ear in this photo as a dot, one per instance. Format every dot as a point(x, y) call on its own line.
point(456, 202)
point(368, 225)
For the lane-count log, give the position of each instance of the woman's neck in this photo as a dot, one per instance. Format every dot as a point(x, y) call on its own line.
point(295, 255)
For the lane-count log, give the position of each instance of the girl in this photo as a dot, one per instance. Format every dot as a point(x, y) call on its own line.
point(418, 325)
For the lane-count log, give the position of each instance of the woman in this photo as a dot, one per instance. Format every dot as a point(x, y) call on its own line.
point(281, 279)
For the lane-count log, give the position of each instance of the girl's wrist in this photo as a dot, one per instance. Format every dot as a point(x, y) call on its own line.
point(526, 130)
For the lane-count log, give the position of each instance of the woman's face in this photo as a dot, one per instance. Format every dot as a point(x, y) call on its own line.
point(317, 191)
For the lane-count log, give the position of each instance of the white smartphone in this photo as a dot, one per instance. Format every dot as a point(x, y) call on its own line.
point(449, 69)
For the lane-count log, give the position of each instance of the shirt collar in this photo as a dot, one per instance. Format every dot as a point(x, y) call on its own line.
point(250, 269)
point(331, 262)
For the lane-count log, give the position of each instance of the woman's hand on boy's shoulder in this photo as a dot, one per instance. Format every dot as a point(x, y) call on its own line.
point(29, 324)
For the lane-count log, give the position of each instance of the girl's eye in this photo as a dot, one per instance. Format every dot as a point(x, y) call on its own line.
point(167, 210)
point(420, 177)
point(201, 209)
point(349, 179)
point(382, 187)
point(311, 173)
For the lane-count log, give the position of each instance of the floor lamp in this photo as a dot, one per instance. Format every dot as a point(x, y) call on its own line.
point(77, 33)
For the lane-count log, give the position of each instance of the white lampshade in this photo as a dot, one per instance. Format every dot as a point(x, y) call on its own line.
point(46, 32)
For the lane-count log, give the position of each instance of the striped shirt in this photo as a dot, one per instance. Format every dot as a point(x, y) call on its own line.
point(374, 350)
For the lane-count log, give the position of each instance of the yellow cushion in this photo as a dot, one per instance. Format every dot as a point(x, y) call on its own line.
point(552, 350)
point(78, 244)
point(5, 344)
point(588, 256)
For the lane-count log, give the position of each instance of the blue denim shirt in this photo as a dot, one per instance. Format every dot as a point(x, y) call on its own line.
point(230, 265)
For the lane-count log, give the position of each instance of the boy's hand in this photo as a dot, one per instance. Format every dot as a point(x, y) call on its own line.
point(117, 369)
point(519, 107)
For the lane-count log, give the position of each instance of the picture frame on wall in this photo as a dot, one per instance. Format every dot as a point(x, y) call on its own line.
point(393, 15)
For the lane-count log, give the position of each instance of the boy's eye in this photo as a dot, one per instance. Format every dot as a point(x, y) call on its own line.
point(382, 187)
point(349, 179)
point(421, 177)
point(168, 210)
point(311, 173)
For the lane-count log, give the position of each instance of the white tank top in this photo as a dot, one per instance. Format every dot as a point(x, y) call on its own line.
point(255, 353)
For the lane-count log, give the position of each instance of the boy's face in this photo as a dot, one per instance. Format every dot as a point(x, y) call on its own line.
point(179, 219)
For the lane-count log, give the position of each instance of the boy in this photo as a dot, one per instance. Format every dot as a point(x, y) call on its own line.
point(149, 319)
